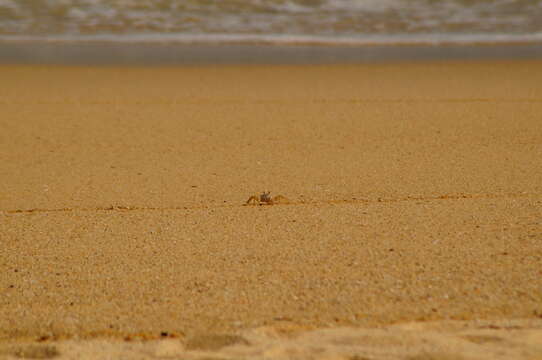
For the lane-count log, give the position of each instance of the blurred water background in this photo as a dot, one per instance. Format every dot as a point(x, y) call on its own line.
point(351, 22)
point(241, 31)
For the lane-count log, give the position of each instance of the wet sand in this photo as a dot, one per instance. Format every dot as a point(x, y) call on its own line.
point(160, 54)
point(414, 197)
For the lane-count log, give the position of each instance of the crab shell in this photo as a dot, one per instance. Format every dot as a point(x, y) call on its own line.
point(265, 198)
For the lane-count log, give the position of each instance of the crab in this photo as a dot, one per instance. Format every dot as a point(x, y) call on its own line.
point(266, 199)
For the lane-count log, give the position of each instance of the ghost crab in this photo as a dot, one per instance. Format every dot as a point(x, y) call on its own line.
point(266, 199)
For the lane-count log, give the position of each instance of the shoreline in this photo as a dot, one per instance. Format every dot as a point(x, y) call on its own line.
point(166, 54)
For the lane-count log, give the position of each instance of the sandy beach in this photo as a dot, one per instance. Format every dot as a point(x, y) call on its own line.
point(413, 224)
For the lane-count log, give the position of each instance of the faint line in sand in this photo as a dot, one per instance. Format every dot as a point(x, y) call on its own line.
point(199, 101)
point(291, 203)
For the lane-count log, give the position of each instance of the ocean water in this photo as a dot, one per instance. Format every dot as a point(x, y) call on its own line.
point(342, 22)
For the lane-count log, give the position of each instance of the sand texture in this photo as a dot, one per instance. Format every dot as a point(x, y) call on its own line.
point(412, 201)
point(444, 340)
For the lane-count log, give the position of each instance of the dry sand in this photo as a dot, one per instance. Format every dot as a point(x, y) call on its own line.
point(414, 228)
